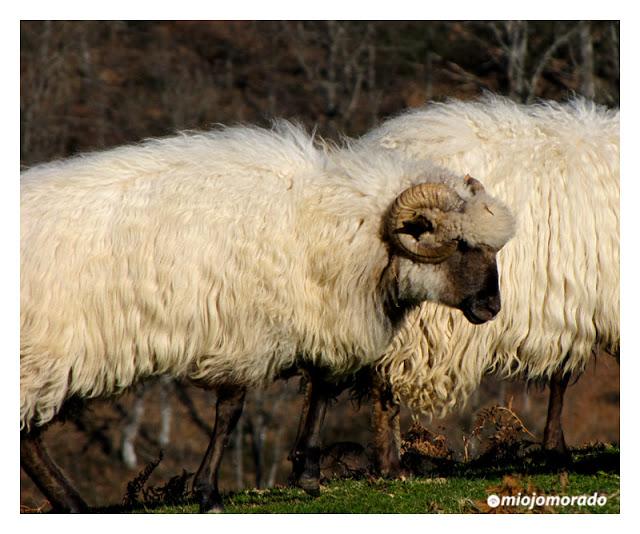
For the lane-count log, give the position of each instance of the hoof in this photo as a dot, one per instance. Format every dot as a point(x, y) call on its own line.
point(210, 502)
point(557, 457)
point(210, 508)
point(80, 509)
point(73, 505)
point(311, 485)
point(394, 472)
point(398, 474)
point(72, 509)
point(215, 509)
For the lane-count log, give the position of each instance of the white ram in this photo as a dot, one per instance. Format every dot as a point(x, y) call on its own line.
point(557, 167)
point(227, 258)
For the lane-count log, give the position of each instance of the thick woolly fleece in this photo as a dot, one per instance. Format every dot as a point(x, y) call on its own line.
point(221, 257)
point(557, 167)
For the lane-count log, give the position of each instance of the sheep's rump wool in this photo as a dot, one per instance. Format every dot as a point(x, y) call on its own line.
point(220, 256)
point(557, 168)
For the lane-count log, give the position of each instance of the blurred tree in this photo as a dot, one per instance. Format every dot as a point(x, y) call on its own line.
point(87, 84)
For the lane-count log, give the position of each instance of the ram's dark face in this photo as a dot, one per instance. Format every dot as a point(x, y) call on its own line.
point(472, 283)
point(467, 280)
point(433, 262)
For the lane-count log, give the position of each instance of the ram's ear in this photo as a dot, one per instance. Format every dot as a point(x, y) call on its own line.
point(416, 227)
point(475, 185)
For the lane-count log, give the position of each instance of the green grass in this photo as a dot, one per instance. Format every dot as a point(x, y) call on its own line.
point(440, 495)
point(462, 489)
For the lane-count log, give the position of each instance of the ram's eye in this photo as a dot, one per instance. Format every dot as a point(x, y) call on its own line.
point(416, 227)
point(463, 246)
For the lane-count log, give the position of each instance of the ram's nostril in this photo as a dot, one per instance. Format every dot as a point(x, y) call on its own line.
point(493, 304)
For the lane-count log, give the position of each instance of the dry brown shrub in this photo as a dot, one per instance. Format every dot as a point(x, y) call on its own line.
point(172, 492)
point(503, 433)
point(421, 441)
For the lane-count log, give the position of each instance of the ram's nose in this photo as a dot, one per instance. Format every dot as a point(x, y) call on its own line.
point(482, 310)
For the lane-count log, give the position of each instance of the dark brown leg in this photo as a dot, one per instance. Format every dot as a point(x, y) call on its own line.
point(553, 436)
point(305, 455)
point(386, 429)
point(229, 403)
point(50, 480)
point(296, 456)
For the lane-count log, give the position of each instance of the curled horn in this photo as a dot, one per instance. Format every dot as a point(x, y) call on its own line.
point(408, 208)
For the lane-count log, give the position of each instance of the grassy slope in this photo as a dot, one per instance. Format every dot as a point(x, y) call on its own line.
point(463, 489)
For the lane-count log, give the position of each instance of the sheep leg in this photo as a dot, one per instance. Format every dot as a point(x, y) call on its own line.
point(229, 403)
point(306, 454)
point(553, 435)
point(296, 456)
point(47, 476)
point(386, 429)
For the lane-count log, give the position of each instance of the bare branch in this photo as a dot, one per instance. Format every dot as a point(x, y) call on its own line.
point(517, 54)
point(587, 83)
point(548, 54)
point(297, 33)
